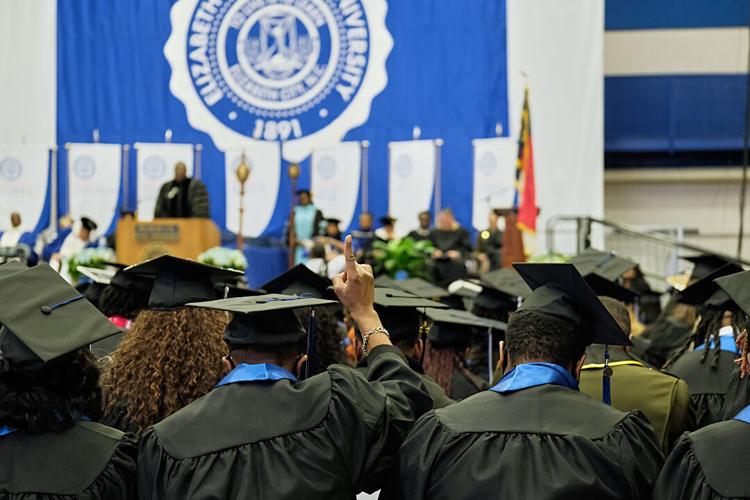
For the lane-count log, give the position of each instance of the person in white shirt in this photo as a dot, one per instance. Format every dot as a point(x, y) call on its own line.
point(76, 241)
point(11, 236)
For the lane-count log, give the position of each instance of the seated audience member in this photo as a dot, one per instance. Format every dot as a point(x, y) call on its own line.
point(53, 240)
point(318, 262)
point(424, 229)
point(50, 444)
point(17, 237)
point(663, 398)
point(445, 359)
point(707, 368)
point(534, 435)
point(172, 354)
point(452, 246)
point(400, 313)
point(261, 433)
point(79, 238)
point(490, 245)
point(710, 463)
point(363, 237)
point(387, 229)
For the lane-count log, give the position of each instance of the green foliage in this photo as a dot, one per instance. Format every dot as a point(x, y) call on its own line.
point(550, 257)
point(404, 255)
point(89, 257)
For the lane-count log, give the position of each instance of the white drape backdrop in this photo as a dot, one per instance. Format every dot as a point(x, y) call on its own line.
point(411, 181)
point(261, 189)
point(94, 174)
point(494, 177)
point(24, 172)
point(335, 177)
point(155, 166)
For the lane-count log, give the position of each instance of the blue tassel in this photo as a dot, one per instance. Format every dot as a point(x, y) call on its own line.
point(310, 343)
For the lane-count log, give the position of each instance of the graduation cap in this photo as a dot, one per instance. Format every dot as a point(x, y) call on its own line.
point(11, 267)
point(491, 298)
point(303, 191)
point(606, 288)
point(235, 291)
point(606, 264)
point(333, 221)
point(96, 275)
point(387, 220)
point(88, 224)
point(45, 318)
point(507, 281)
point(385, 281)
point(736, 286)
point(707, 292)
point(559, 290)
point(401, 312)
point(421, 288)
point(300, 280)
point(178, 281)
point(705, 264)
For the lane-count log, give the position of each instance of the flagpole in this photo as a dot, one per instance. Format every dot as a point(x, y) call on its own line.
point(438, 196)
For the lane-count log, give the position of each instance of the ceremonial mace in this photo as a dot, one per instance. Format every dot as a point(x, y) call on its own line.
point(293, 173)
point(243, 174)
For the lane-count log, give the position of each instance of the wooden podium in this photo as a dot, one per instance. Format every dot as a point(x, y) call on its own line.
point(187, 238)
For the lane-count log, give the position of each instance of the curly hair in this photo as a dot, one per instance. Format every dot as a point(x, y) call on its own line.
point(328, 349)
point(439, 362)
point(534, 335)
point(165, 361)
point(53, 397)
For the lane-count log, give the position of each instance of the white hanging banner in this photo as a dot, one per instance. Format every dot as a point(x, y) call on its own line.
point(155, 165)
point(494, 177)
point(411, 181)
point(335, 179)
point(94, 172)
point(24, 175)
point(261, 188)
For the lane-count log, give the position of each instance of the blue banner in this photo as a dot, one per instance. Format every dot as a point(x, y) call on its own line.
point(308, 73)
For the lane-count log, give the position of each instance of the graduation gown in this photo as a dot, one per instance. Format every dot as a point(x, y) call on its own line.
point(663, 398)
point(448, 270)
point(738, 395)
point(438, 395)
point(327, 437)
point(708, 464)
point(543, 442)
point(87, 461)
point(708, 386)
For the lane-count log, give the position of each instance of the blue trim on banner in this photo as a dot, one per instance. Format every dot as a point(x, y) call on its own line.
point(674, 113)
point(253, 373)
point(660, 14)
point(535, 374)
point(46, 215)
point(725, 344)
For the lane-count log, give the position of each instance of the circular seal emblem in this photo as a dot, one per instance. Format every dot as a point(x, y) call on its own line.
point(327, 167)
point(84, 167)
point(292, 71)
point(10, 168)
point(403, 166)
point(487, 163)
point(154, 167)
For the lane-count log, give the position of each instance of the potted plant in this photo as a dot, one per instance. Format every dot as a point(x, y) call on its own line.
point(227, 258)
point(404, 258)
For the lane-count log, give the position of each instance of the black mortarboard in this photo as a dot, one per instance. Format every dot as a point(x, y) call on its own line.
point(455, 327)
point(605, 264)
point(264, 320)
point(96, 275)
point(606, 288)
point(400, 312)
point(303, 191)
point(559, 290)
point(179, 281)
point(385, 281)
point(300, 280)
point(705, 264)
point(45, 318)
point(507, 281)
point(88, 224)
point(421, 288)
point(235, 291)
point(491, 298)
point(707, 292)
point(387, 220)
point(332, 220)
point(737, 287)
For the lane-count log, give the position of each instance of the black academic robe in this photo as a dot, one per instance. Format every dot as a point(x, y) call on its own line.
point(544, 442)
point(708, 386)
point(87, 461)
point(492, 246)
point(328, 437)
point(438, 395)
point(660, 340)
point(448, 270)
point(738, 395)
point(708, 464)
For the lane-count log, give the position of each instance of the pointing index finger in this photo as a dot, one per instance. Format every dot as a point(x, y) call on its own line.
point(351, 263)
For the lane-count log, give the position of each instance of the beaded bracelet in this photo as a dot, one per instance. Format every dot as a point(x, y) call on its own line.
point(366, 337)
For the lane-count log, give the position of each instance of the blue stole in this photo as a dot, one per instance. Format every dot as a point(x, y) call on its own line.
point(251, 373)
point(744, 415)
point(725, 344)
point(534, 374)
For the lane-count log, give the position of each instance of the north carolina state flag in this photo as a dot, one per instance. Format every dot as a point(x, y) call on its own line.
point(525, 198)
